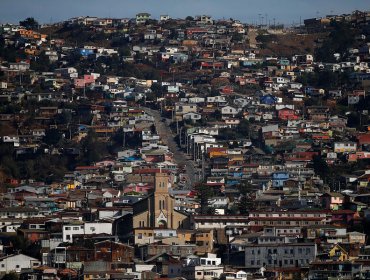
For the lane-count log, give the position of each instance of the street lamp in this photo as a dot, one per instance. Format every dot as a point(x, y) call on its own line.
point(229, 232)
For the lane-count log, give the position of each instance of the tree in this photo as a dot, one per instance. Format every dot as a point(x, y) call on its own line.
point(204, 193)
point(90, 149)
point(157, 89)
point(29, 23)
point(244, 204)
point(237, 37)
point(10, 276)
point(320, 166)
point(41, 63)
point(339, 41)
point(52, 136)
point(243, 128)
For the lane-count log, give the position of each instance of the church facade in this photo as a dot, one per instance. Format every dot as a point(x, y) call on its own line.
point(157, 209)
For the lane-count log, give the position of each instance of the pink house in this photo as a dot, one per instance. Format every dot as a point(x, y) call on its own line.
point(79, 83)
point(140, 188)
point(85, 81)
point(332, 201)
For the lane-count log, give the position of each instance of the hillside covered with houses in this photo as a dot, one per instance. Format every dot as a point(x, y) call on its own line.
point(195, 148)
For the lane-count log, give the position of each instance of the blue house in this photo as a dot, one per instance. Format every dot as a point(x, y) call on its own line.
point(86, 52)
point(278, 179)
point(268, 99)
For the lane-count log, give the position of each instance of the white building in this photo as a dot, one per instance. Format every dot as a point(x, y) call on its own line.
point(17, 262)
point(85, 229)
point(207, 268)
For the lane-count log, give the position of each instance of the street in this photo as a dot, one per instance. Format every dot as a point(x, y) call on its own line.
point(167, 137)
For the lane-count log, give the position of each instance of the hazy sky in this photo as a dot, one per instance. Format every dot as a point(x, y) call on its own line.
point(286, 11)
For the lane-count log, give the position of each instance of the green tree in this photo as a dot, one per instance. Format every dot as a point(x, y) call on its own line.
point(320, 166)
point(41, 63)
point(244, 204)
point(243, 128)
point(204, 193)
point(339, 40)
point(52, 136)
point(157, 89)
point(29, 23)
point(10, 276)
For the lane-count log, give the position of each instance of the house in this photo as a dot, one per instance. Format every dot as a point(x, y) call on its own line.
point(17, 263)
point(207, 268)
point(141, 18)
point(113, 252)
point(345, 147)
point(279, 255)
point(288, 114)
point(332, 201)
point(338, 269)
point(88, 228)
point(166, 265)
point(278, 179)
point(184, 108)
point(192, 116)
point(229, 111)
point(259, 219)
point(164, 17)
point(268, 99)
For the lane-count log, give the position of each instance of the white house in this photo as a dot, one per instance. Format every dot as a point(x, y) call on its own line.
point(207, 268)
point(192, 116)
point(228, 111)
point(85, 229)
point(17, 262)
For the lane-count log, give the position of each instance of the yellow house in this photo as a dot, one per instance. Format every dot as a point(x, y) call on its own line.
point(204, 241)
point(338, 253)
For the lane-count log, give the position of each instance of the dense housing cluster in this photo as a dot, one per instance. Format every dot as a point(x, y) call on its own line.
point(185, 148)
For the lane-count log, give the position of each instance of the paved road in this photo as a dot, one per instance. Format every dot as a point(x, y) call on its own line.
point(167, 137)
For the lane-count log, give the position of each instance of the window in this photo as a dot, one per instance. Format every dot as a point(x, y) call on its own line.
point(17, 266)
point(75, 228)
point(199, 273)
point(68, 237)
point(67, 228)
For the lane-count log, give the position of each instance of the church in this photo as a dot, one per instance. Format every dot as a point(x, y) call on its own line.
point(157, 209)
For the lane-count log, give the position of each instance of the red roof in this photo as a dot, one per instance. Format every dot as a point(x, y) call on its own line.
point(287, 218)
point(150, 171)
point(363, 138)
point(216, 150)
point(87, 167)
